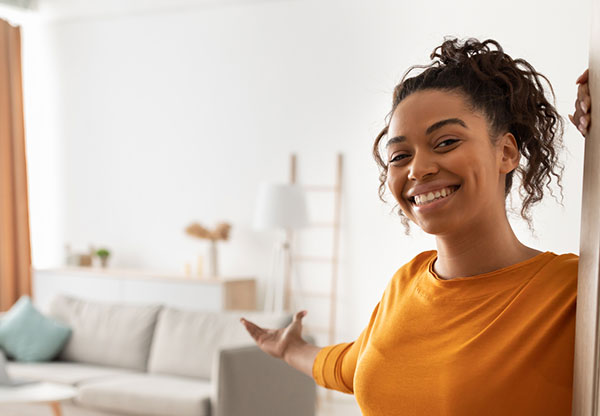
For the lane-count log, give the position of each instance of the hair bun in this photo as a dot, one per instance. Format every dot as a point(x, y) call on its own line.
point(456, 52)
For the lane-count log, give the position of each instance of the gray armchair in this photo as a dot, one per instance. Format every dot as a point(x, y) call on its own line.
point(248, 382)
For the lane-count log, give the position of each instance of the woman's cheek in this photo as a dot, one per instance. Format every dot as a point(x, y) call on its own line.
point(396, 185)
point(393, 184)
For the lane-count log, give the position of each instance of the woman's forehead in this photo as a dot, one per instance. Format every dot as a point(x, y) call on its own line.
point(422, 109)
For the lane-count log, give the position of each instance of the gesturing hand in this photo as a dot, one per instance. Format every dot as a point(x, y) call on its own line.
point(583, 104)
point(275, 342)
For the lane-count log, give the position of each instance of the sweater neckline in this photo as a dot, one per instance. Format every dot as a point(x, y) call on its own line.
point(469, 287)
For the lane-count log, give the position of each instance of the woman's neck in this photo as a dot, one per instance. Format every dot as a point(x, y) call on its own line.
point(490, 246)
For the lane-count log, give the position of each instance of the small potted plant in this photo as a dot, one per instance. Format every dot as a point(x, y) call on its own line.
point(103, 254)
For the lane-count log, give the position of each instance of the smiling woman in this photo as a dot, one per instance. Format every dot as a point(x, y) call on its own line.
point(484, 325)
point(506, 95)
point(464, 124)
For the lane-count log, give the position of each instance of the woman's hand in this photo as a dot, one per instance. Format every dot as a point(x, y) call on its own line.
point(277, 342)
point(583, 104)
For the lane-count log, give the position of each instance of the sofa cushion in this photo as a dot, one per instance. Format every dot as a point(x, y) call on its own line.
point(148, 395)
point(27, 335)
point(61, 372)
point(106, 334)
point(198, 335)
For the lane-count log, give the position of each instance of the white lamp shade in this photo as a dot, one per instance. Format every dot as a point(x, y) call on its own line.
point(280, 206)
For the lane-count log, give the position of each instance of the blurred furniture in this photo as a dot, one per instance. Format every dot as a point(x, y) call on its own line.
point(298, 295)
point(152, 360)
point(280, 207)
point(49, 394)
point(229, 293)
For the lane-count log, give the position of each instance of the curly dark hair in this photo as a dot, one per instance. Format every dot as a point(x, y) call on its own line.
point(510, 94)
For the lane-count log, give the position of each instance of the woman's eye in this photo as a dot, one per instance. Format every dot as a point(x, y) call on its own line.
point(398, 158)
point(447, 142)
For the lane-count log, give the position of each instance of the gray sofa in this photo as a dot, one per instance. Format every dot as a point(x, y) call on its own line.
point(150, 360)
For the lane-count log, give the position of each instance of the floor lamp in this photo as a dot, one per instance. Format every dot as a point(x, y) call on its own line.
point(281, 208)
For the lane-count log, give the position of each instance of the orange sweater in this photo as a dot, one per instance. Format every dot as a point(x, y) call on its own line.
point(499, 343)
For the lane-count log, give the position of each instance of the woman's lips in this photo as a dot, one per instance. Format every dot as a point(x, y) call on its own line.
point(436, 203)
point(428, 197)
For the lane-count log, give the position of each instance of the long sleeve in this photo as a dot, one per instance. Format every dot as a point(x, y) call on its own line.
point(335, 365)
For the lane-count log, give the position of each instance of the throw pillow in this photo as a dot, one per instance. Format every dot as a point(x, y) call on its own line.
point(27, 335)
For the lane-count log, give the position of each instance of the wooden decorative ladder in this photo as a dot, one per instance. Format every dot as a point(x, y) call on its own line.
point(292, 293)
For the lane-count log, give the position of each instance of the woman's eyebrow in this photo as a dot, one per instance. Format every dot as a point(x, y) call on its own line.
point(397, 139)
point(430, 129)
point(442, 123)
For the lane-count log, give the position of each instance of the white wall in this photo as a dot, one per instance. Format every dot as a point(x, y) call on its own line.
point(142, 121)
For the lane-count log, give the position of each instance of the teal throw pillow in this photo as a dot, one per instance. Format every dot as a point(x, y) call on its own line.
point(27, 335)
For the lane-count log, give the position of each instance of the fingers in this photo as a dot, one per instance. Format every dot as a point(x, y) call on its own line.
point(583, 91)
point(583, 78)
point(582, 122)
point(299, 315)
point(581, 118)
point(255, 331)
point(585, 103)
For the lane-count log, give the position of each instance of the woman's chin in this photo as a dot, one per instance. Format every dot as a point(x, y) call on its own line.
point(437, 226)
point(434, 229)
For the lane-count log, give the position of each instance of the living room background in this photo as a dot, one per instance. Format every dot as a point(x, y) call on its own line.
point(145, 117)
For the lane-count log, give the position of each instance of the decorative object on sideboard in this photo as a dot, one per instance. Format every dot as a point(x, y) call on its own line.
point(79, 259)
point(200, 266)
point(221, 232)
point(280, 207)
point(103, 254)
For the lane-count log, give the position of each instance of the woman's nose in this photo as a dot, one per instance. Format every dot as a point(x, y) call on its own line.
point(422, 165)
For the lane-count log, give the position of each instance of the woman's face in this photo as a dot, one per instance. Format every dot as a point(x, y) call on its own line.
point(443, 169)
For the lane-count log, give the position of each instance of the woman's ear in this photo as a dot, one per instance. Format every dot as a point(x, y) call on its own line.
point(508, 153)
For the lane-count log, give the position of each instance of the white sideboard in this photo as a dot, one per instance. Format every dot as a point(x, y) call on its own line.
point(131, 286)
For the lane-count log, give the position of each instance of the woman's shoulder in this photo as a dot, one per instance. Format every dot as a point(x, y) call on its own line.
point(417, 265)
point(559, 273)
point(564, 263)
point(418, 262)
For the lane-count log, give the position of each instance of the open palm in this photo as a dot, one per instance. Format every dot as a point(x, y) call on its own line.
point(275, 342)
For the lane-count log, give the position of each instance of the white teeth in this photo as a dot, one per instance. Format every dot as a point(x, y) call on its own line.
point(423, 199)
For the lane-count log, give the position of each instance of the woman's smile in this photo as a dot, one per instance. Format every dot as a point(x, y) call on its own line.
point(422, 194)
point(428, 200)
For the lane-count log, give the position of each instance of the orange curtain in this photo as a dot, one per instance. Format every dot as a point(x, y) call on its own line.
point(15, 251)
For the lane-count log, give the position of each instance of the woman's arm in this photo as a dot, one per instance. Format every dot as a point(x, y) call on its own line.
point(302, 357)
